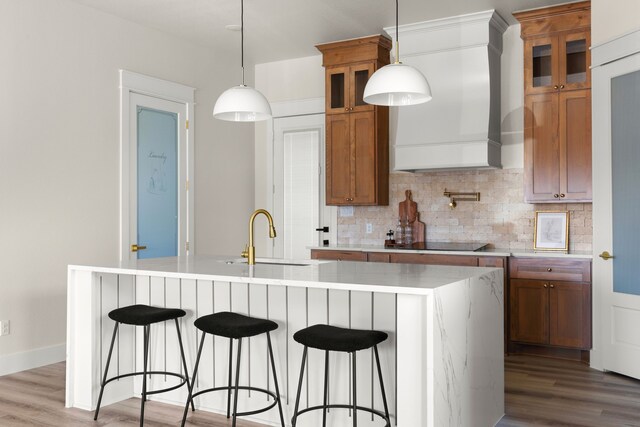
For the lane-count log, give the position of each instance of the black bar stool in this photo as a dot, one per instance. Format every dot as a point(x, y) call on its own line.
point(144, 315)
point(332, 338)
point(235, 326)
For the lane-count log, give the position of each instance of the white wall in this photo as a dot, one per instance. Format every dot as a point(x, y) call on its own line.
point(59, 152)
point(610, 19)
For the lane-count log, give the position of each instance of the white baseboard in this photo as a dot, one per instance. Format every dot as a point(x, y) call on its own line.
point(16, 362)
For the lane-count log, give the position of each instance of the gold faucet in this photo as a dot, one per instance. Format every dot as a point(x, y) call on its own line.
point(250, 250)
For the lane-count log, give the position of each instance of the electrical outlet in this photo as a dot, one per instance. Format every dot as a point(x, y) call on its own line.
point(369, 228)
point(4, 327)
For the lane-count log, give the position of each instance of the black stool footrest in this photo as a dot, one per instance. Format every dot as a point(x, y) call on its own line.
point(240, 414)
point(340, 406)
point(133, 374)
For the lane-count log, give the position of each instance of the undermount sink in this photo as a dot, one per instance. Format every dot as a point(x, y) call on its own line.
point(277, 261)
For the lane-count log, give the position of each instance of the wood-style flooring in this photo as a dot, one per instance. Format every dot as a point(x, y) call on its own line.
point(539, 392)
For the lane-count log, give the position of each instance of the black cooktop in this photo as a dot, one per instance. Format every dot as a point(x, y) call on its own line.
point(443, 246)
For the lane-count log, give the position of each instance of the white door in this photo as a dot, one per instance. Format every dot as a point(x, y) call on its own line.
point(157, 177)
point(299, 187)
point(616, 205)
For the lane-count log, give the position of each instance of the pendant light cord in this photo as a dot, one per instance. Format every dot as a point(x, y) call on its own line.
point(242, 38)
point(397, 42)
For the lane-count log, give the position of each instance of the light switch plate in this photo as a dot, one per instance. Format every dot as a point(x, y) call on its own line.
point(4, 327)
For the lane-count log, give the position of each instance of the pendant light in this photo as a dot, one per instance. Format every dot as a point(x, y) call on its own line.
point(397, 84)
point(242, 103)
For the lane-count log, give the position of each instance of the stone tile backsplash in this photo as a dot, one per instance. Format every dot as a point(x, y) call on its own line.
point(501, 217)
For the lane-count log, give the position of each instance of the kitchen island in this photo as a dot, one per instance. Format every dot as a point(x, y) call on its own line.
point(442, 364)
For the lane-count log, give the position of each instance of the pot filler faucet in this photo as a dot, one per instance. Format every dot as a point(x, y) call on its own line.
point(250, 250)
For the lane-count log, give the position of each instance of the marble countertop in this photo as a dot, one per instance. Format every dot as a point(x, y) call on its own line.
point(485, 252)
point(358, 276)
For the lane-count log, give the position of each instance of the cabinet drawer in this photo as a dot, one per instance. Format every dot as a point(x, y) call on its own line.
point(339, 255)
point(461, 260)
point(377, 257)
point(569, 270)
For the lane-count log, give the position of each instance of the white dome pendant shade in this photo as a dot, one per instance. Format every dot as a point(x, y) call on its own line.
point(242, 103)
point(397, 84)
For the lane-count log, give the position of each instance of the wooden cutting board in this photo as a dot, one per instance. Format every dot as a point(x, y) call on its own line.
point(408, 210)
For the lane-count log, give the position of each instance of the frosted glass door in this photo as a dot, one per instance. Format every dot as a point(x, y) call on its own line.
point(625, 158)
point(157, 166)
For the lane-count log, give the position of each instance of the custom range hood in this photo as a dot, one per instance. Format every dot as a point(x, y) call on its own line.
point(460, 127)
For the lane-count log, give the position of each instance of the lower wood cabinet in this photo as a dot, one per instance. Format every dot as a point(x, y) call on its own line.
point(548, 312)
point(339, 255)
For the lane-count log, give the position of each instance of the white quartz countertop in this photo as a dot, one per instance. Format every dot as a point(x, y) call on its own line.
point(485, 252)
point(357, 276)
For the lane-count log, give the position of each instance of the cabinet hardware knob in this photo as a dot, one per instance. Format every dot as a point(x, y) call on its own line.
point(552, 286)
point(561, 86)
point(555, 86)
point(556, 196)
point(605, 255)
point(136, 248)
point(346, 108)
point(549, 269)
point(545, 285)
point(562, 195)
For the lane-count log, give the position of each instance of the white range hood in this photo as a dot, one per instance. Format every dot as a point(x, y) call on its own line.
point(460, 127)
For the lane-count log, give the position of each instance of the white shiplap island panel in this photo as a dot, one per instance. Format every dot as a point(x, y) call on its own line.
point(442, 364)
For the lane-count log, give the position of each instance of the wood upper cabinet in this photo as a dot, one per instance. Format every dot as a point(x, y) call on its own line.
point(357, 138)
point(557, 116)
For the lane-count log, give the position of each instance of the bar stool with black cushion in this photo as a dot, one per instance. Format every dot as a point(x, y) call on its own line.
point(332, 338)
point(235, 326)
point(144, 315)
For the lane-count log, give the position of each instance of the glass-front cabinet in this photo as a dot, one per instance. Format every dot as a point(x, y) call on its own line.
point(345, 88)
point(557, 63)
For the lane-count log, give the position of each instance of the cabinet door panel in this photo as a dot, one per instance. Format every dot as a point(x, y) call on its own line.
point(338, 147)
point(575, 145)
point(542, 164)
point(570, 315)
point(541, 65)
point(337, 90)
point(574, 60)
point(359, 76)
point(364, 155)
point(529, 319)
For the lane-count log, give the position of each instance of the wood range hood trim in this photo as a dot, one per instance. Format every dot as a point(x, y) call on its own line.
point(460, 127)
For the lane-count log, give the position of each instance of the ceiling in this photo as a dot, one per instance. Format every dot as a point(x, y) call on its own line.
point(283, 29)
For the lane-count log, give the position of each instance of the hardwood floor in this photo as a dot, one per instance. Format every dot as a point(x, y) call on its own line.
point(549, 392)
point(539, 392)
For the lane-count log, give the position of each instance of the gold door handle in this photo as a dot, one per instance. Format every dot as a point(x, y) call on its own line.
point(545, 285)
point(555, 86)
point(552, 286)
point(605, 255)
point(136, 248)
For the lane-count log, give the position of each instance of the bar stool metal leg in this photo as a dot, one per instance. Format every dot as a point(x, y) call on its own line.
point(184, 361)
point(193, 381)
point(230, 374)
point(144, 373)
point(235, 396)
point(106, 370)
point(355, 411)
point(384, 395)
point(275, 378)
point(326, 388)
point(295, 411)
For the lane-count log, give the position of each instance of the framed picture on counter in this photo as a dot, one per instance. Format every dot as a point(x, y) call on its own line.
point(551, 231)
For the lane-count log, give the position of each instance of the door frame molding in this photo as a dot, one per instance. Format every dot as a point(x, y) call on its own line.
point(130, 83)
point(281, 110)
